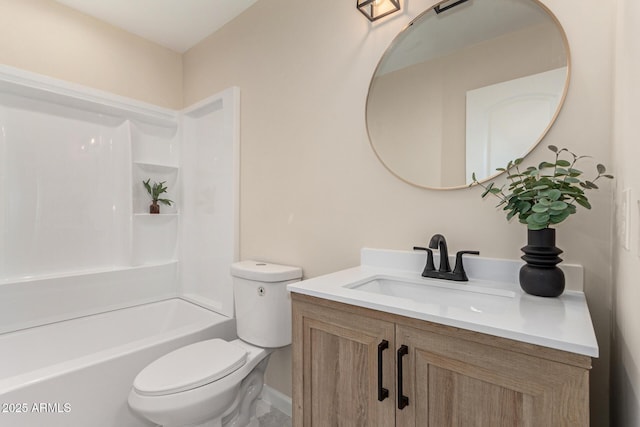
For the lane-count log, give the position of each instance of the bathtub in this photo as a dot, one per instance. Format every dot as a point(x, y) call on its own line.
point(78, 372)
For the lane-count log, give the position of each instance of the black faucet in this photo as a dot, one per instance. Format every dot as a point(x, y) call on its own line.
point(444, 271)
point(439, 242)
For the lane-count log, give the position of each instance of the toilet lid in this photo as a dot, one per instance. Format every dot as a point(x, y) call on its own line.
point(189, 367)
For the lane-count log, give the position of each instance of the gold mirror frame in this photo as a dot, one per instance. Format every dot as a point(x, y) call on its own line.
point(533, 144)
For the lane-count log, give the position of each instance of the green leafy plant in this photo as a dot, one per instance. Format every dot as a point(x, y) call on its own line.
point(156, 190)
point(545, 195)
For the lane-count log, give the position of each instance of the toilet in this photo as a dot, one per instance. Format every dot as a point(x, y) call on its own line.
point(215, 382)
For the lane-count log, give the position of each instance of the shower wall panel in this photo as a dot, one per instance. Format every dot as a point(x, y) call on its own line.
point(64, 190)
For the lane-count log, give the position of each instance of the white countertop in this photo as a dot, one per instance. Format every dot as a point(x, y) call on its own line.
point(491, 302)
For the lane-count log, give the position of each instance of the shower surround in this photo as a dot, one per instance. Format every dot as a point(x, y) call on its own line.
point(77, 236)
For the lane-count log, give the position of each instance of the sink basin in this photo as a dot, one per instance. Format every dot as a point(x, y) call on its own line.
point(444, 294)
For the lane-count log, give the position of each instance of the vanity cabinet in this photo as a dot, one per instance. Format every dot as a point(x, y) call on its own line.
point(445, 375)
point(335, 367)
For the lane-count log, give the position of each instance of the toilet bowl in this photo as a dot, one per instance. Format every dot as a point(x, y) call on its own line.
point(169, 396)
point(215, 382)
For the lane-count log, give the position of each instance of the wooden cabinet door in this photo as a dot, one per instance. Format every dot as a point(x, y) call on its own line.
point(336, 352)
point(454, 382)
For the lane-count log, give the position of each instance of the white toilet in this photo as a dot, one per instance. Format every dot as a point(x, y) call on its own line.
point(215, 382)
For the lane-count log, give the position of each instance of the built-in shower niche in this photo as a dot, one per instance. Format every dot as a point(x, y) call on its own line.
point(156, 173)
point(154, 236)
point(155, 156)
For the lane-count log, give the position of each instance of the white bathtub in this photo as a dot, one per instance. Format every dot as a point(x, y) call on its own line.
point(78, 372)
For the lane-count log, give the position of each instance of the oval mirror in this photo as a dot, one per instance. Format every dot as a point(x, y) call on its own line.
point(466, 89)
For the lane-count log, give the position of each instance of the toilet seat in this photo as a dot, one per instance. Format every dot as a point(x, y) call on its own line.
point(190, 367)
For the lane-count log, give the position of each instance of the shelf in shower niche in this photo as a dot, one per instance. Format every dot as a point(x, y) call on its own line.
point(158, 215)
point(158, 167)
point(154, 144)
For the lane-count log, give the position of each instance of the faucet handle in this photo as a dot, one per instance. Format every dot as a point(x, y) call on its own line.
point(429, 266)
point(458, 271)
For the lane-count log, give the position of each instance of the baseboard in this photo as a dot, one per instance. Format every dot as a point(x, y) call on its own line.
point(278, 400)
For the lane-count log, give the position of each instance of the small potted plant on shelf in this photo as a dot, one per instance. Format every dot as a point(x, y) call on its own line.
point(155, 191)
point(542, 197)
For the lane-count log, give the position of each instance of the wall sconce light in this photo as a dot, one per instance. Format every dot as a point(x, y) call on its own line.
point(376, 9)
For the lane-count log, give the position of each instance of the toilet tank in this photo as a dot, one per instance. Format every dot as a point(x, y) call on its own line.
point(262, 302)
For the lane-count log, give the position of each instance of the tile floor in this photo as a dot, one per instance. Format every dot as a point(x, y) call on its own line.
point(268, 416)
point(274, 418)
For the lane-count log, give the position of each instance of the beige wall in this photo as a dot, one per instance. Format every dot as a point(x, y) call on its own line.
point(47, 38)
point(312, 190)
point(625, 370)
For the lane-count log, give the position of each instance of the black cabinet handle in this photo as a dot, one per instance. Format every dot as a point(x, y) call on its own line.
point(383, 393)
point(402, 399)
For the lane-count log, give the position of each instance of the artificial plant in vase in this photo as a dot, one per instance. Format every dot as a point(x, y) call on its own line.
point(542, 197)
point(155, 191)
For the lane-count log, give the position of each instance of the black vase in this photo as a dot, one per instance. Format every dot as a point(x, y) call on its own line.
point(540, 275)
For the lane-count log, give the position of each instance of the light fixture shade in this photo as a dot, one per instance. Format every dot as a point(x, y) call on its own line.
point(376, 9)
